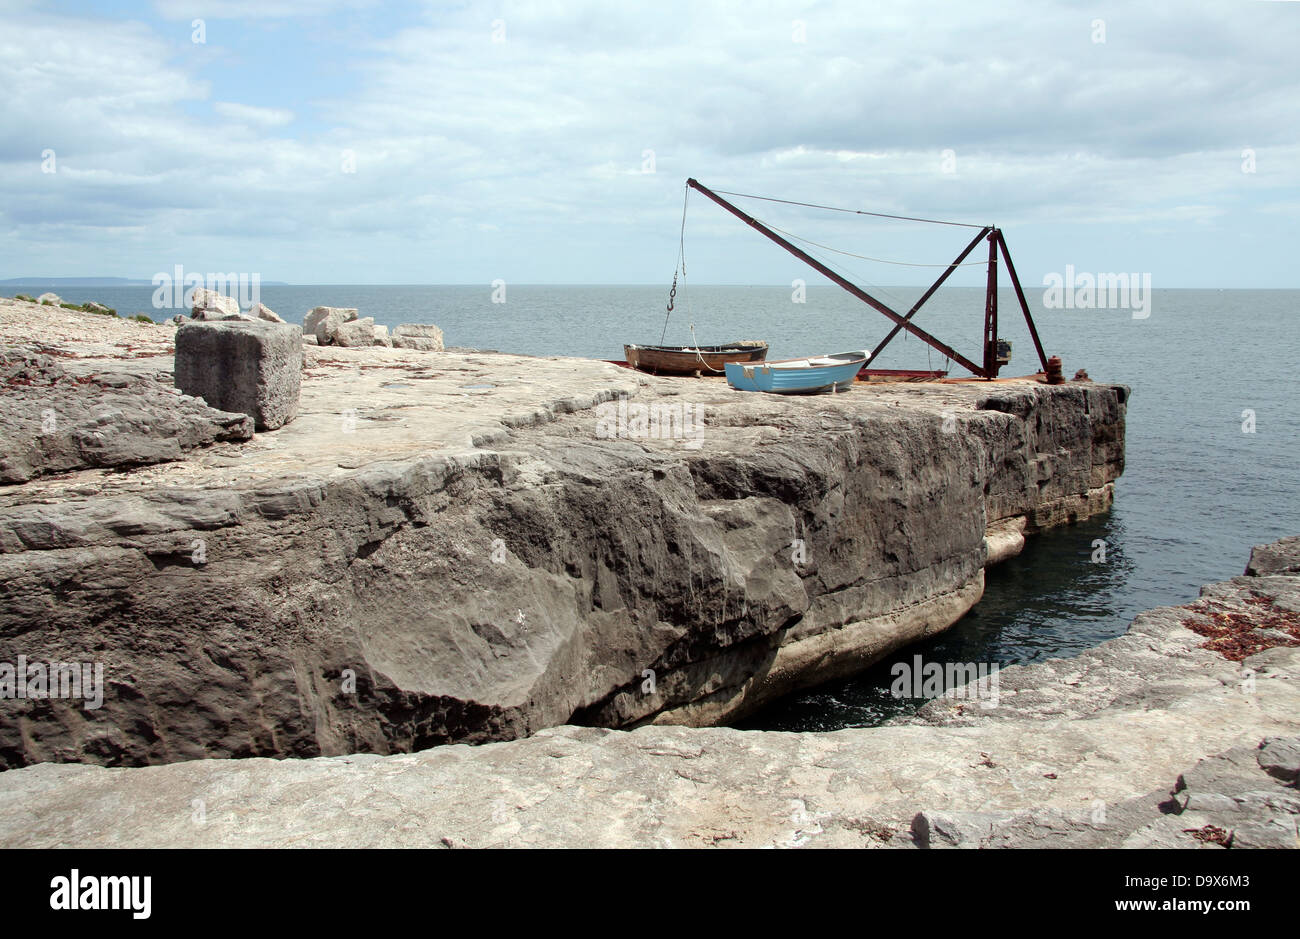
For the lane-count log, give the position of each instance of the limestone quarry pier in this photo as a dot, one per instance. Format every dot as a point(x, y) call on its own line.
point(464, 547)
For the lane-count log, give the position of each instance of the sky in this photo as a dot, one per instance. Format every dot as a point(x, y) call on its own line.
point(321, 141)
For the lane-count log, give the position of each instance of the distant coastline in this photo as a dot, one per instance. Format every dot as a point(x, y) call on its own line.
point(139, 282)
point(93, 282)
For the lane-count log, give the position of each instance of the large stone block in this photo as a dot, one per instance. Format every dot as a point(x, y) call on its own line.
point(324, 321)
point(260, 311)
point(356, 333)
point(211, 305)
point(423, 336)
point(252, 368)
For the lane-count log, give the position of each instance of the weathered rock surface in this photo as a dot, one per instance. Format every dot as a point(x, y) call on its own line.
point(1072, 477)
point(1243, 797)
point(1148, 740)
point(73, 335)
point(422, 336)
point(211, 305)
point(358, 333)
point(262, 312)
point(1280, 557)
point(1228, 800)
point(53, 420)
point(488, 548)
point(252, 368)
point(53, 298)
point(323, 322)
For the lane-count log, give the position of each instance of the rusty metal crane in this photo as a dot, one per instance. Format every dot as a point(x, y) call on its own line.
point(995, 351)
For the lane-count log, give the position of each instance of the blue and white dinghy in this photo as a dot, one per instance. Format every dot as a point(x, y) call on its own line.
point(798, 376)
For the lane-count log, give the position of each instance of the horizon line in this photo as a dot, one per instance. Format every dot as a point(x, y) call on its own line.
point(131, 282)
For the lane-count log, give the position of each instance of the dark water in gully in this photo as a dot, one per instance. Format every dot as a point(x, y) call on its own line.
point(1196, 494)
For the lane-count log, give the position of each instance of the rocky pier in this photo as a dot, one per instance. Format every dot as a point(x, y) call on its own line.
point(457, 546)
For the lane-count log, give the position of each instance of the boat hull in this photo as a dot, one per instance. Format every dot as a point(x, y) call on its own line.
point(797, 376)
point(692, 360)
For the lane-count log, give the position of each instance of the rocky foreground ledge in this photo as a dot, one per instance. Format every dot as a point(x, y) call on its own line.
point(1185, 732)
point(448, 547)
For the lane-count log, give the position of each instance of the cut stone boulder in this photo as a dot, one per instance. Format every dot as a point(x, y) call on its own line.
point(252, 368)
point(324, 321)
point(261, 311)
point(212, 306)
point(49, 298)
point(422, 336)
point(381, 336)
point(355, 333)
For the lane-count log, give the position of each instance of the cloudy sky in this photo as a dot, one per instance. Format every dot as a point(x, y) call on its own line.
point(322, 141)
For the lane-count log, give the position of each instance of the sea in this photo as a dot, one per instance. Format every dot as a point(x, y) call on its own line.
point(1213, 446)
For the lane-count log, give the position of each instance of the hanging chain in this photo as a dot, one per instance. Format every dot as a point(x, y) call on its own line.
point(681, 266)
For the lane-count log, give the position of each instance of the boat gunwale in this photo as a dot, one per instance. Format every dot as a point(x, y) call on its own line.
point(748, 346)
point(862, 356)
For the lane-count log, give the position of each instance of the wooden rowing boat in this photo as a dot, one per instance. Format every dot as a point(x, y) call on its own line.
point(797, 376)
point(693, 360)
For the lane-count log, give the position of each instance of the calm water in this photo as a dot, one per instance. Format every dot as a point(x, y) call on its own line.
point(1197, 492)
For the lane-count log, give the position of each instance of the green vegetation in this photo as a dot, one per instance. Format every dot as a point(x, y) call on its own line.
point(82, 307)
point(79, 307)
point(143, 318)
point(90, 308)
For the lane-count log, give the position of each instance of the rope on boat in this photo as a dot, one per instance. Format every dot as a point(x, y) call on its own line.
point(700, 355)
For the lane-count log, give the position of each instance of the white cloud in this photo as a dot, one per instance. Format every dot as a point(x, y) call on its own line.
point(249, 114)
point(476, 156)
point(253, 9)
